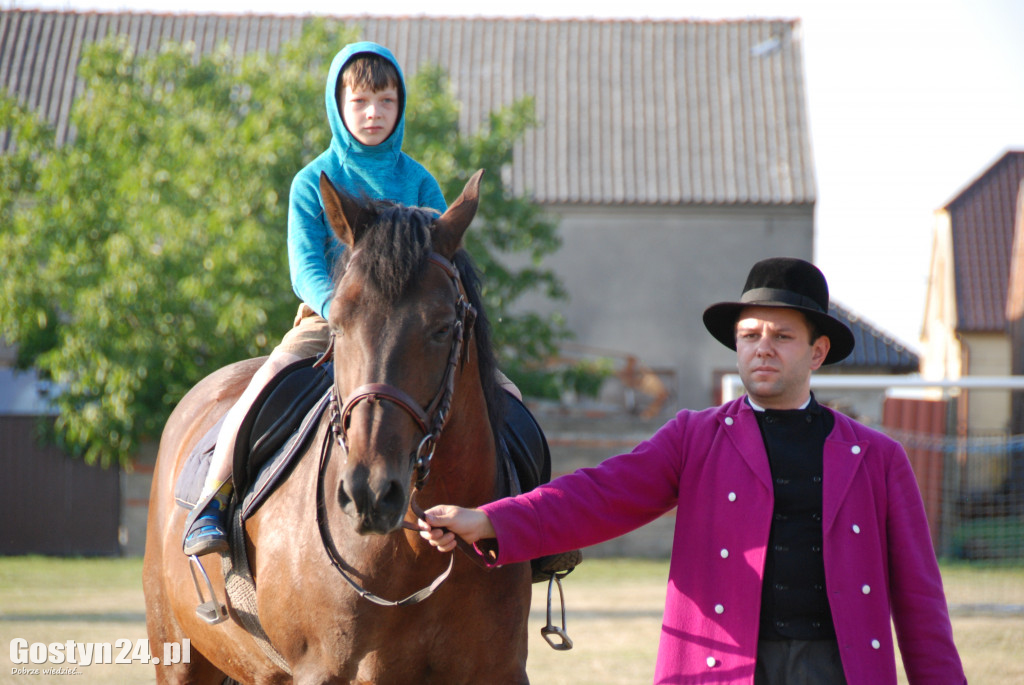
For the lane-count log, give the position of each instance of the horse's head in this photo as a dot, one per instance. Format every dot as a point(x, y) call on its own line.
point(399, 318)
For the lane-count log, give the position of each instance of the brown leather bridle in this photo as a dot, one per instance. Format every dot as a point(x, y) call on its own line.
point(432, 418)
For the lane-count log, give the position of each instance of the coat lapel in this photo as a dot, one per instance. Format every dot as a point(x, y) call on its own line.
point(740, 425)
point(843, 457)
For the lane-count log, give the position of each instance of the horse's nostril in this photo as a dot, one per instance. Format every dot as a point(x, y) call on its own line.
point(343, 497)
point(393, 498)
point(377, 503)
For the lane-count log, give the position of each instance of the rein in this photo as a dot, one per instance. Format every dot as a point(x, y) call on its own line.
point(431, 421)
point(339, 563)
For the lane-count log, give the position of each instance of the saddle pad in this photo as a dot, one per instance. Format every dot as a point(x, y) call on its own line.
point(193, 472)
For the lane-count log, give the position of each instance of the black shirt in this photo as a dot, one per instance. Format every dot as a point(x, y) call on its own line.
point(794, 602)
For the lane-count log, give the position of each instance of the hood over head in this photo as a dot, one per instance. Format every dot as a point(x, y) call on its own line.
point(343, 142)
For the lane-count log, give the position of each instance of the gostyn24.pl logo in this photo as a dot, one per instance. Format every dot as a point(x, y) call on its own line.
point(71, 654)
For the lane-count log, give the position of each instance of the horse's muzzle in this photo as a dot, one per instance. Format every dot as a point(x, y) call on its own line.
point(377, 505)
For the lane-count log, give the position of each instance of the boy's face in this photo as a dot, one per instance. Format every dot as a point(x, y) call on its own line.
point(369, 115)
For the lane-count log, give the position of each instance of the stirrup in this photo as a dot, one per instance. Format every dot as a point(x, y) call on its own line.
point(565, 642)
point(210, 610)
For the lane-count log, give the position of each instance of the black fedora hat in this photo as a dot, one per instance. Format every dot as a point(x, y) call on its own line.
point(788, 283)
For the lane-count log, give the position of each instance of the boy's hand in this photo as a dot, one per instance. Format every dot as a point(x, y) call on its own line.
point(443, 522)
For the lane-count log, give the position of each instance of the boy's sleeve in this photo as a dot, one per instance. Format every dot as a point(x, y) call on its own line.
point(310, 245)
point(431, 195)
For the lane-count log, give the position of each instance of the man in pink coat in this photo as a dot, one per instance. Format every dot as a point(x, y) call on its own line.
point(799, 532)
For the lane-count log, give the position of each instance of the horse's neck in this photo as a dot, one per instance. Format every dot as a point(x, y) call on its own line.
point(465, 462)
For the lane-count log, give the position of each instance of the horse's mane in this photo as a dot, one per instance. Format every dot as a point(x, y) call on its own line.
point(396, 248)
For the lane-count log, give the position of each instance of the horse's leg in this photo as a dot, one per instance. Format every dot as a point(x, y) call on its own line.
point(161, 624)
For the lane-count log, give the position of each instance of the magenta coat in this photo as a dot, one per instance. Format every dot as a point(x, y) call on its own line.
point(712, 466)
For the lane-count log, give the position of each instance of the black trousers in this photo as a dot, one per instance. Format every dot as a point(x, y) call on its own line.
point(798, 662)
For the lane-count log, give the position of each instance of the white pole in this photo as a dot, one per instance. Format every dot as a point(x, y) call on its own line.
point(732, 386)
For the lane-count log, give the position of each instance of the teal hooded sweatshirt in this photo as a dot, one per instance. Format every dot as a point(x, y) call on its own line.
point(380, 172)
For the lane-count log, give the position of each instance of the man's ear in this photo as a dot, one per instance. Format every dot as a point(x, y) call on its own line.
point(819, 351)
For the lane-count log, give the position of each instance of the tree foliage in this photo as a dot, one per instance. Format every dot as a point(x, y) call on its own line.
point(150, 250)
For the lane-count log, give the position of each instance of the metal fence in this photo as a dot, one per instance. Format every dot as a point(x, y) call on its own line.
point(51, 503)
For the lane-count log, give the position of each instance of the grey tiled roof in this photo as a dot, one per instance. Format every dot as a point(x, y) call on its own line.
point(874, 349)
point(632, 112)
point(982, 218)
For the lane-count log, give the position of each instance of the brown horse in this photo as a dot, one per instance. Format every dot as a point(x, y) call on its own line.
point(405, 293)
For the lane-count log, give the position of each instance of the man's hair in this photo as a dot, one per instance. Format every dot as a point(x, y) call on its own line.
point(368, 71)
point(814, 329)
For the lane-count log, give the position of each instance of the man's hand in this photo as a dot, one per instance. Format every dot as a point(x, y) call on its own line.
point(445, 521)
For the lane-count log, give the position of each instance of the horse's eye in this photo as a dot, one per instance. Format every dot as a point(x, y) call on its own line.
point(442, 333)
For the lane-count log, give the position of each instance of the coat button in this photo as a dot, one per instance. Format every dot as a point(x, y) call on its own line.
point(712, 662)
point(855, 449)
point(724, 553)
point(728, 422)
point(866, 589)
point(856, 529)
point(875, 644)
point(732, 496)
point(719, 609)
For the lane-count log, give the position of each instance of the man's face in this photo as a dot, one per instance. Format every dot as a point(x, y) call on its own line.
point(775, 356)
point(369, 115)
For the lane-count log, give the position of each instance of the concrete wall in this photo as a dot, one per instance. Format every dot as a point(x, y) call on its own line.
point(639, 279)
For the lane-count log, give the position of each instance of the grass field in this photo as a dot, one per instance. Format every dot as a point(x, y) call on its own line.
point(614, 614)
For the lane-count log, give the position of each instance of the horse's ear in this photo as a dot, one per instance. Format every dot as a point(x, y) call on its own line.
point(452, 225)
point(343, 212)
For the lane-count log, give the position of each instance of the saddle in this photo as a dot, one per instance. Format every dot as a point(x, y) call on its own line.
point(276, 429)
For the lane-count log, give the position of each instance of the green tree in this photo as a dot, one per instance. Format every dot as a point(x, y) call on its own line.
point(150, 250)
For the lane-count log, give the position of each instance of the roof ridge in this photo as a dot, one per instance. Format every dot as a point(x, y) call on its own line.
point(417, 17)
point(996, 161)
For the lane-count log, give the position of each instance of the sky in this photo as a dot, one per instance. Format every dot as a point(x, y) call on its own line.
point(908, 102)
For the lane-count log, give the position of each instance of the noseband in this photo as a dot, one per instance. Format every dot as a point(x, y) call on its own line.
point(432, 418)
